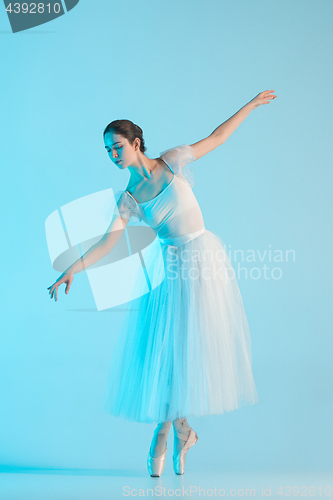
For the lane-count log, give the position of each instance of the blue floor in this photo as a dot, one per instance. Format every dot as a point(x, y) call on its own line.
point(80, 484)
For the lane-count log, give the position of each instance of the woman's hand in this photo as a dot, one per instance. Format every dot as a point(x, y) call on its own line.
point(263, 98)
point(67, 278)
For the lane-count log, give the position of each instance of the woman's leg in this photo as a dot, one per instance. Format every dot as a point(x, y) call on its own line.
point(159, 441)
point(181, 431)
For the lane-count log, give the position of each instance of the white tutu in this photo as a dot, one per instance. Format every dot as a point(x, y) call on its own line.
point(184, 348)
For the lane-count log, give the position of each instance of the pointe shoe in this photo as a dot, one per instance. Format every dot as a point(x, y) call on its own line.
point(156, 465)
point(179, 460)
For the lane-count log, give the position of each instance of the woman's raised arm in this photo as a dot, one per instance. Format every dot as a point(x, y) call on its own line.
point(223, 131)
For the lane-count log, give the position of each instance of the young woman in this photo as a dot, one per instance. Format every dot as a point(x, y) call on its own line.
point(186, 350)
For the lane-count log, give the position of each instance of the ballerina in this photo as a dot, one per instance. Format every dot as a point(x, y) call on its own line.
point(186, 350)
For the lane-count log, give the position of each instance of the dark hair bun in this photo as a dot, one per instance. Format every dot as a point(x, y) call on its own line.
point(127, 129)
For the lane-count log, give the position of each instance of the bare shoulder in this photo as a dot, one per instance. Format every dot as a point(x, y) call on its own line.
point(204, 146)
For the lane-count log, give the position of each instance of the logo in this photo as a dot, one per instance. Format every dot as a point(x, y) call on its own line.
point(25, 15)
point(131, 269)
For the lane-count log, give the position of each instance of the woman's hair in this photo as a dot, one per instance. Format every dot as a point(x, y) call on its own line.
point(127, 129)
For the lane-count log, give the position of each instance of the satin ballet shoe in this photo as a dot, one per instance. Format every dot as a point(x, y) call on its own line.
point(179, 460)
point(156, 465)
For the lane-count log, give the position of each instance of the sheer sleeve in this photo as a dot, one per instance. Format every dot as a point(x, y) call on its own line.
point(125, 206)
point(179, 158)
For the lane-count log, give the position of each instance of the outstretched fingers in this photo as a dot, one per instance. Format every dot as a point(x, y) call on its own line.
point(268, 95)
point(53, 291)
point(263, 98)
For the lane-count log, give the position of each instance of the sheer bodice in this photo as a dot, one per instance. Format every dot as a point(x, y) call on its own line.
point(174, 214)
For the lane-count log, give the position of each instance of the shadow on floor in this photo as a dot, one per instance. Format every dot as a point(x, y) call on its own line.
point(72, 472)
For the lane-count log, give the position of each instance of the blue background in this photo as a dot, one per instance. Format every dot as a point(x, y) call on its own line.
point(178, 69)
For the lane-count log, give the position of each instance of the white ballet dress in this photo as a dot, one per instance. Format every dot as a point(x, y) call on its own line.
point(184, 348)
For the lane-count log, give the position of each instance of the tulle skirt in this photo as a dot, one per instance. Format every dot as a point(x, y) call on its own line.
point(184, 348)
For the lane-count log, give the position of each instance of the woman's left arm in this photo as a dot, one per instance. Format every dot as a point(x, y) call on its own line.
point(223, 131)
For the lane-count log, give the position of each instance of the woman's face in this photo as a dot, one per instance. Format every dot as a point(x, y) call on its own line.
point(119, 149)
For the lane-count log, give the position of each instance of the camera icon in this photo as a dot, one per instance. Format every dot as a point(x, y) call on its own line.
point(133, 267)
